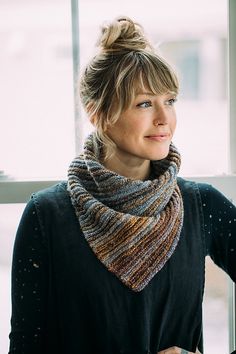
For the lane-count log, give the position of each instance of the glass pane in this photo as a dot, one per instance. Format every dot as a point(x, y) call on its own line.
point(10, 215)
point(36, 89)
point(192, 36)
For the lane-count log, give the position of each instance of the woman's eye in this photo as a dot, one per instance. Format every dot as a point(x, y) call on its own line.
point(144, 104)
point(171, 101)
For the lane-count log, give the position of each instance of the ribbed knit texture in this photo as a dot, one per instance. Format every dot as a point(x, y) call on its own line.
point(132, 226)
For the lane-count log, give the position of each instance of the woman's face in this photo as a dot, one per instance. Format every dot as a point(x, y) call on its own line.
point(146, 128)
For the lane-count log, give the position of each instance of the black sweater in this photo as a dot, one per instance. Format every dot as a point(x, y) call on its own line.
point(65, 301)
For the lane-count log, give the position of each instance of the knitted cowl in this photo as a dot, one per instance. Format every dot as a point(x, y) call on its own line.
point(132, 226)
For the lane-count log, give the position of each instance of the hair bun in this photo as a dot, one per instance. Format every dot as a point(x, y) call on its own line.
point(123, 34)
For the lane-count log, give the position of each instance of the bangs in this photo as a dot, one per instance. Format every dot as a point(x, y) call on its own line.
point(156, 82)
point(148, 73)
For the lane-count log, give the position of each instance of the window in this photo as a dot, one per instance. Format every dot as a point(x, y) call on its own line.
point(36, 89)
point(38, 108)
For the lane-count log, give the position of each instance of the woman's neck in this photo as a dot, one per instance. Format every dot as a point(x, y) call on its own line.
point(134, 168)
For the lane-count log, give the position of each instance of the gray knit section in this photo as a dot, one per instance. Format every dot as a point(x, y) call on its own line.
point(132, 226)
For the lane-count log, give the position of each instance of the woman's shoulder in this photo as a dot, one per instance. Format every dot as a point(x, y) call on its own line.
point(207, 191)
point(60, 187)
point(203, 187)
point(187, 185)
point(55, 196)
point(51, 192)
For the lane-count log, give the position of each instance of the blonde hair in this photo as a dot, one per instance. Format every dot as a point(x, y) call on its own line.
point(126, 63)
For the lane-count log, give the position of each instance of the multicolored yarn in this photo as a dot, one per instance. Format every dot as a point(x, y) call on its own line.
point(132, 226)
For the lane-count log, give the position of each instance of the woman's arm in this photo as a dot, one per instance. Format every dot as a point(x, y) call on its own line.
point(220, 229)
point(29, 286)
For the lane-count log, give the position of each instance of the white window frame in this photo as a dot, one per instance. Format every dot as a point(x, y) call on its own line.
point(20, 191)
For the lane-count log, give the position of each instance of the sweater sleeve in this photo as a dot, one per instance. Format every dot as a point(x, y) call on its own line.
point(220, 229)
point(29, 286)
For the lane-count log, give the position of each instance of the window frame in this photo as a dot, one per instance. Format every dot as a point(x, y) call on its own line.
point(19, 191)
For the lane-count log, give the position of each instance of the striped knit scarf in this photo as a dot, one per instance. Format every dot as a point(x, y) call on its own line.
point(132, 226)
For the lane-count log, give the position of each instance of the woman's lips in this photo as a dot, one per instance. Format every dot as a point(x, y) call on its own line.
point(158, 137)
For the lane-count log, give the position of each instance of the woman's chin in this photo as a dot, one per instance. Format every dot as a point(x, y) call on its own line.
point(160, 156)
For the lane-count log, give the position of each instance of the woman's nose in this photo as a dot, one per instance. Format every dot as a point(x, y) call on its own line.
point(161, 117)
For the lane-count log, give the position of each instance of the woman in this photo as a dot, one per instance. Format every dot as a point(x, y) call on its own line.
point(112, 260)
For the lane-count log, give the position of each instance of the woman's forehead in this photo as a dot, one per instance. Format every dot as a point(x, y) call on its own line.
point(153, 87)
